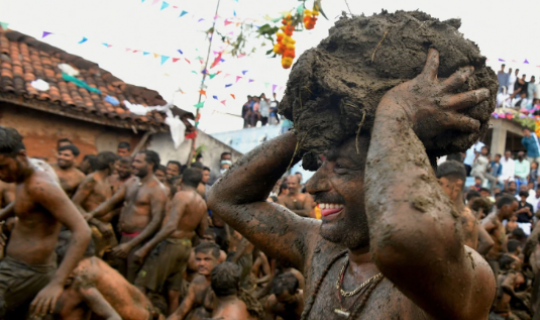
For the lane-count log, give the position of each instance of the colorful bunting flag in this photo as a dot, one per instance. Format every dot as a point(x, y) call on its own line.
point(164, 5)
point(156, 55)
point(128, 49)
point(201, 19)
point(155, 1)
point(227, 22)
point(228, 85)
point(145, 53)
point(244, 72)
point(84, 39)
point(216, 60)
point(45, 33)
point(202, 92)
point(274, 86)
point(187, 60)
point(501, 60)
point(107, 45)
point(4, 25)
point(175, 59)
point(223, 102)
point(238, 78)
point(226, 75)
point(181, 52)
point(212, 75)
point(163, 59)
point(251, 80)
point(183, 13)
point(526, 62)
point(195, 72)
point(234, 12)
point(135, 51)
point(266, 84)
point(215, 97)
point(199, 105)
point(233, 96)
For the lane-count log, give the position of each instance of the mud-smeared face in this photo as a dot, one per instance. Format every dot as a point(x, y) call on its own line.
point(65, 159)
point(139, 166)
point(160, 175)
point(123, 170)
point(338, 189)
point(9, 168)
point(452, 187)
point(205, 262)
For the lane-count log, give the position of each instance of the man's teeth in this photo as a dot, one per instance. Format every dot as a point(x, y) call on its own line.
point(325, 206)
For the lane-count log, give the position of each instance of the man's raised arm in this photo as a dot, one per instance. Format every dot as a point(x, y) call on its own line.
point(239, 198)
point(414, 231)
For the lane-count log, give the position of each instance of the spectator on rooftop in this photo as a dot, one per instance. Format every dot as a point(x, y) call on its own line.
point(531, 144)
point(522, 169)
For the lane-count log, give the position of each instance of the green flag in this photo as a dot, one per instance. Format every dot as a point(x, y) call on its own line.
point(199, 105)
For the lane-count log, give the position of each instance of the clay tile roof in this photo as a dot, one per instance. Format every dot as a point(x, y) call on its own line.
point(24, 59)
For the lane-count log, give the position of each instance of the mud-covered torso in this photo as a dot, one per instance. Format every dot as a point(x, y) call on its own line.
point(136, 212)
point(294, 202)
point(498, 235)
point(385, 302)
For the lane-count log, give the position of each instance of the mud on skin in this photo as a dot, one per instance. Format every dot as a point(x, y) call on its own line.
point(335, 85)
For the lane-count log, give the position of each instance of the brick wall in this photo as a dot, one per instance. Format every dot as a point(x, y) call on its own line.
point(41, 131)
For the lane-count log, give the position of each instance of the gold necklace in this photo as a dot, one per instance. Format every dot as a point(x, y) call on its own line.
point(355, 291)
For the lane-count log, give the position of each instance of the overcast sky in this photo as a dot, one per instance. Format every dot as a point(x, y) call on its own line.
point(502, 29)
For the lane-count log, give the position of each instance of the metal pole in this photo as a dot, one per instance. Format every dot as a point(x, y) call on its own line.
point(190, 155)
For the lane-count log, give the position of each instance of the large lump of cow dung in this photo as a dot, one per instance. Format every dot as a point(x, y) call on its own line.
point(336, 85)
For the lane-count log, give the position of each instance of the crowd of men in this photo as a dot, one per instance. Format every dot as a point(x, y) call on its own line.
point(120, 236)
point(517, 92)
point(261, 109)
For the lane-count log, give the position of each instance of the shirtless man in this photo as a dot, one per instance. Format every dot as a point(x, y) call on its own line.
point(70, 177)
point(95, 286)
point(41, 208)
point(506, 208)
point(143, 202)
point(452, 175)
point(509, 280)
point(173, 169)
point(93, 191)
point(7, 193)
point(299, 203)
point(167, 254)
point(386, 222)
point(225, 282)
point(198, 303)
point(123, 173)
point(286, 300)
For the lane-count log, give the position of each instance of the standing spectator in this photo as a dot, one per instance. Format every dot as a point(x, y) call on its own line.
point(521, 101)
point(502, 77)
point(471, 155)
point(531, 92)
point(255, 114)
point(480, 168)
point(512, 80)
point(264, 109)
point(521, 85)
point(537, 91)
point(246, 111)
point(508, 167)
point(274, 110)
point(503, 98)
point(533, 176)
point(123, 149)
point(286, 124)
point(531, 144)
point(525, 212)
point(225, 162)
point(496, 168)
point(522, 170)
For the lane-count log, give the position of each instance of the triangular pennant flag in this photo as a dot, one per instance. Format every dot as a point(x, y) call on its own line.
point(212, 75)
point(135, 51)
point(84, 39)
point(244, 72)
point(164, 5)
point(241, 55)
point(238, 78)
point(222, 60)
point(187, 60)
point(226, 75)
point(234, 12)
point(142, 1)
point(274, 86)
point(195, 72)
point(155, 1)
point(45, 33)
point(145, 53)
point(526, 62)
point(201, 19)
point(501, 60)
point(223, 102)
point(183, 13)
point(514, 60)
point(251, 80)
point(163, 59)
point(266, 84)
point(202, 92)
point(4, 25)
point(218, 72)
point(175, 59)
point(105, 44)
point(233, 96)
point(199, 105)
point(227, 22)
point(128, 49)
point(215, 97)
point(228, 85)
point(204, 71)
point(181, 52)
point(156, 55)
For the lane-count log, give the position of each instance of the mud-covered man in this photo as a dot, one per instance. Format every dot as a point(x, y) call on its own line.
point(452, 175)
point(297, 202)
point(382, 210)
point(167, 253)
point(493, 223)
point(41, 207)
point(93, 191)
point(286, 300)
point(143, 202)
point(66, 170)
point(122, 173)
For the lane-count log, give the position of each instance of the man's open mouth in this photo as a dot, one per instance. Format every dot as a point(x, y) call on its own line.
point(330, 208)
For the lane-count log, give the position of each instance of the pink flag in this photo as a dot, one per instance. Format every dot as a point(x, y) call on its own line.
point(238, 78)
point(223, 102)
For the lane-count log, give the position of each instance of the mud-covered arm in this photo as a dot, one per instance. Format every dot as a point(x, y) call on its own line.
point(83, 191)
point(111, 203)
point(157, 207)
point(308, 207)
point(97, 303)
point(186, 305)
point(239, 198)
point(8, 211)
point(414, 229)
point(485, 242)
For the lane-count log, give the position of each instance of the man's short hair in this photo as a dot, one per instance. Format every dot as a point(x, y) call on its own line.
point(498, 155)
point(151, 157)
point(91, 158)
point(125, 160)
point(192, 177)
point(10, 141)
point(506, 261)
point(485, 190)
point(197, 165)
point(285, 282)
point(519, 234)
point(208, 247)
point(505, 200)
point(104, 160)
point(73, 148)
point(124, 145)
point(526, 128)
point(206, 169)
point(161, 168)
point(452, 170)
point(176, 163)
point(472, 194)
point(512, 245)
point(225, 154)
point(59, 141)
point(523, 194)
point(225, 279)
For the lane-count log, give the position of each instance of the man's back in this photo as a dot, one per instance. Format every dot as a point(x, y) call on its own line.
point(194, 213)
point(231, 309)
